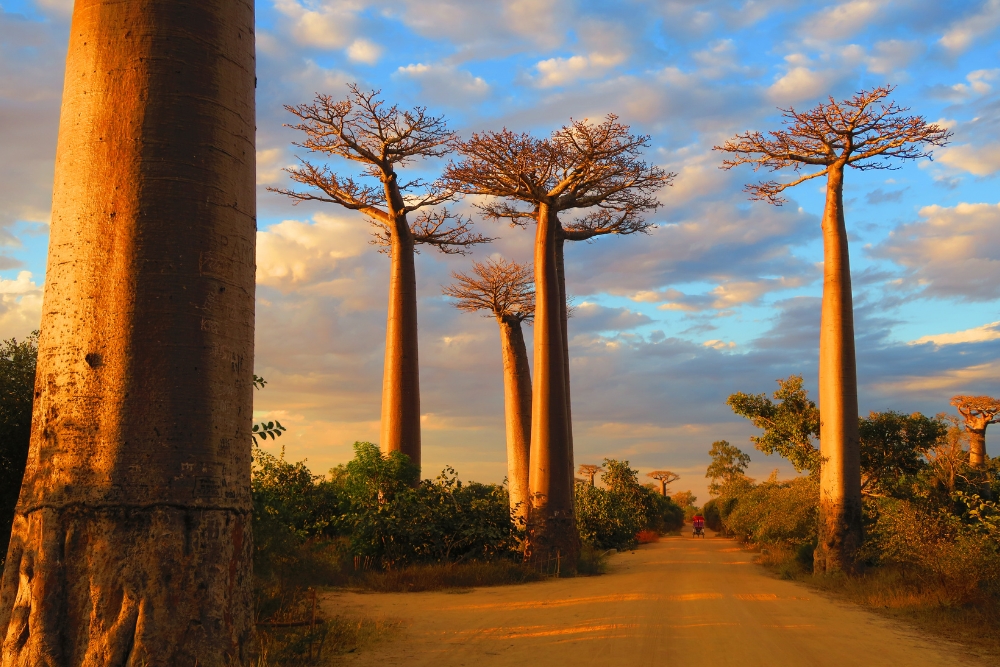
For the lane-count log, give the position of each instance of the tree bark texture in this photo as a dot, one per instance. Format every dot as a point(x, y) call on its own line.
point(840, 528)
point(131, 543)
point(551, 521)
point(560, 244)
point(517, 406)
point(401, 375)
point(977, 445)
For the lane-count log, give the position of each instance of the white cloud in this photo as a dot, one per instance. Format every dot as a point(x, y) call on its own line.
point(324, 25)
point(981, 159)
point(954, 252)
point(719, 344)
point(800, 83)
point(891, 56)
point(445, 84)
point(963, 32)
point(562, 71)
point(20, 305)
point(843, 20)
point(270, 163)
point(294, 253)
point(979, 334)
point(364, 51)
point(978, 82)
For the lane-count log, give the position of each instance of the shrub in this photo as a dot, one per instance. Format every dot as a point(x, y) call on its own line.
point(772, 512)
point(611, 518)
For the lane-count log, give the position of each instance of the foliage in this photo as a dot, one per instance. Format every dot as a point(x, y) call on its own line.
point(17, 386)
point(892, 447)
point(728, 463)
point(789, 423)
point(773, 512)
point(611, 517)
point(264, 429)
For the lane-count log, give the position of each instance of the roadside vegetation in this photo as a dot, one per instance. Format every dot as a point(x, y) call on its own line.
point(931, 552)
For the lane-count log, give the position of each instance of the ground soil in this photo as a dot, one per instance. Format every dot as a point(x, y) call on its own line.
point(683, 602)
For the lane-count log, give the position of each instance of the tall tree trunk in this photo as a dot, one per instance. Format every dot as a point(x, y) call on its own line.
point(560, 243)
point(977, 445)
point(517, 408)
point(551, 522)
point(663, 488)
point(840, 529)
point(131, 544)
point(401, 376)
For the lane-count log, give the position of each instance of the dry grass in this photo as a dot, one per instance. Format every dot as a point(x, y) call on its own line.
point(928, 606)
point(647, 536)
point(473, 574)
point(321, 646)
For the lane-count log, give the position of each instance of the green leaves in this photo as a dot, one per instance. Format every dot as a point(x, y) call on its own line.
point(264, 429)
point(892, 448)
point(790, 423)
point(728, 463)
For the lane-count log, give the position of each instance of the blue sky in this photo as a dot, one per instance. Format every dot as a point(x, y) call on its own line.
point(721, 297)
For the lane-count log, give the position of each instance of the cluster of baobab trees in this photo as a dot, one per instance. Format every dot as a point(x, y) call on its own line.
point(131, 541)
point(586, 180)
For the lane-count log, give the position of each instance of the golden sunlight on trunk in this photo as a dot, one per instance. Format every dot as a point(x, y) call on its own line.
point(840, 529)
point(517, 406)
point(131, 544)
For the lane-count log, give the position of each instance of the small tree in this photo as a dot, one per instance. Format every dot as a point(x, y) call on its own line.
point(978, 412)
point(728, 463)
point(590, 471)
point(17, 393)
point(949, 454)
point(362, 129)
point(863, 132)
point(594, 168)
point(892, 449)
point(665, 478)
point(789, 423)
point(504, 290)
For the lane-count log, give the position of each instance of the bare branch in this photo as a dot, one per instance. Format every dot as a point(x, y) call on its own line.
point(503, 288)
point(853, 132)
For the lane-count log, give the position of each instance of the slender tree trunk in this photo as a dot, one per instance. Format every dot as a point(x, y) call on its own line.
point(517, 406)
point(551, 522)
point(401, 376)
point(663, 488)
point(977, 445)
point(131, 544)
point(840, 529)
point(560, 243)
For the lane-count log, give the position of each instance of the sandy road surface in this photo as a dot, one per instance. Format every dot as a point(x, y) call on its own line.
point(681, 602)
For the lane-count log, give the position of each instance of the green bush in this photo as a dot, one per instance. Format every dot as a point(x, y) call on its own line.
point(610, 518)
point(772, 512)
point(17, 385)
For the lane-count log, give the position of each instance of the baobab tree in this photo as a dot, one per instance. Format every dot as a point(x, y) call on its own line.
point(131, 541)
point(665, 478)
point(596, 170)
point(362, 129)
point(590, 471)
point(978, 413)
point(864, 132)
point(504, 289)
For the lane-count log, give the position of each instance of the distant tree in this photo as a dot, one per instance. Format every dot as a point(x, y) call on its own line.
point(892, 448)
point(728, 463)
point(950, 453)
point(17, 393)
point(590, 471)
point(863, 132)
point(684, 499)
point(362, 129)
point(790, 422)
point(978, 412)
point(504, 290)
point(665, 478)
point(594, 168)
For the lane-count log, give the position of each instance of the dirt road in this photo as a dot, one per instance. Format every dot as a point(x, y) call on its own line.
point(681, 602)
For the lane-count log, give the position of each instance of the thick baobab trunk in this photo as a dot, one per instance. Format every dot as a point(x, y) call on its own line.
point(560, 243)
point(131, 544)
point(551, 521)
point(517, 407)
point(663, 488)
point(977, 445)
point(840, 528)
point(401, 376)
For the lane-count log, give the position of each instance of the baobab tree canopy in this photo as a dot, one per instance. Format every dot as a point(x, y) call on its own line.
point(363, 129)
point(864, 132)
point(501, 287)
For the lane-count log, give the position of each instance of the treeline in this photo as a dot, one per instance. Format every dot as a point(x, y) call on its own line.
point(930, 514)
point(374, 513)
